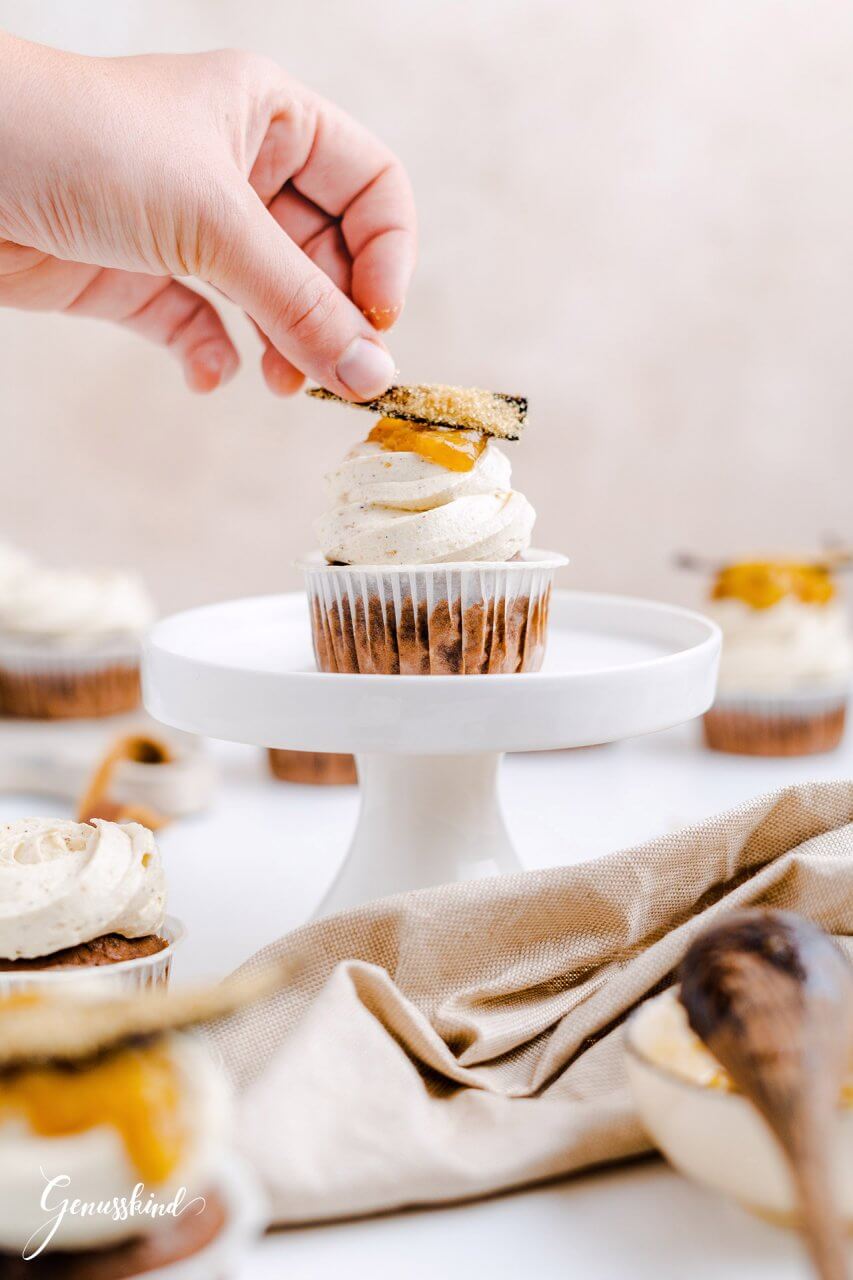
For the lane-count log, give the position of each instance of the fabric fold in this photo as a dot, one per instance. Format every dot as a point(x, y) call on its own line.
point(466, 1039)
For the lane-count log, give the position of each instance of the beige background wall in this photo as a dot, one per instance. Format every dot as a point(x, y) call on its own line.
point(638, 212)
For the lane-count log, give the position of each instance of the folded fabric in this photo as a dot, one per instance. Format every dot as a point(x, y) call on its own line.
point(462, 1040)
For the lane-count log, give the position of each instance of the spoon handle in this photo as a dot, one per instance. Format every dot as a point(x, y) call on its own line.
point(808, 1148)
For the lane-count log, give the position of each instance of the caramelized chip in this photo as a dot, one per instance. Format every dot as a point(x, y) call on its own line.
point(433, 405)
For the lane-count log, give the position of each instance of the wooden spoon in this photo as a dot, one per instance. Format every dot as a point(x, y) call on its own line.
point(772, 998)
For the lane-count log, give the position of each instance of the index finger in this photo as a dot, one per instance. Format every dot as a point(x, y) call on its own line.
point(351, 175)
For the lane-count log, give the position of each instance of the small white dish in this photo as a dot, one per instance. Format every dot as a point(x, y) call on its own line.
point(716, 1137)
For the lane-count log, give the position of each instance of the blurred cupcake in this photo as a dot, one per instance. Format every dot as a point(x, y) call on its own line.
point(69, 641)
point(130, 1130)
point(312, 768)
point(82, 900)
point(426, 567)
point(786, 662)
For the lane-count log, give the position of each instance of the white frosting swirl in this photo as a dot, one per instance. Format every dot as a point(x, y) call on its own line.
point(100, 1170)
point(400, 508)
point(63, 883)
point(67, 604)
point(790, 646)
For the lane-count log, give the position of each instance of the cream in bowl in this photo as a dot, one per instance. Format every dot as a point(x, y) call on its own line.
point(708, 1131)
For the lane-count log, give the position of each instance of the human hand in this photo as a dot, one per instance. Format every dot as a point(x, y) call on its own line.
point(121, 174)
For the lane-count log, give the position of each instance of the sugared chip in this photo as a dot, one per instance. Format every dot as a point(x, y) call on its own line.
point(68, 1030)
point(432, 405)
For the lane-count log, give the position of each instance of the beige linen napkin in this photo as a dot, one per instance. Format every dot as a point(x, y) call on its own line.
point(461, 1040)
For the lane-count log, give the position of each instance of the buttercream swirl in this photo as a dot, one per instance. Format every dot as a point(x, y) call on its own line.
point(63, 883)
point(788, 647)
point(401, 508)
point(68, 604)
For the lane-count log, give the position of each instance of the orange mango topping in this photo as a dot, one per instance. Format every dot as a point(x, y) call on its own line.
point(135, 1091)
point(454, 450)
point(762, 584)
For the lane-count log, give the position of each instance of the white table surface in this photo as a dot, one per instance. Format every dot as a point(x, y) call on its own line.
point(632, 1223)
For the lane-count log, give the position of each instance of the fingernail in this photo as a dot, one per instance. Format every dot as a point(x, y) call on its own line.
point(366, 368)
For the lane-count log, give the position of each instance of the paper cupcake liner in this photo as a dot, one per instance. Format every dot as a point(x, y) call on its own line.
point(801, 723)
point(105, 980)
point(44, 681)
point(312, 768)
point(447, 619)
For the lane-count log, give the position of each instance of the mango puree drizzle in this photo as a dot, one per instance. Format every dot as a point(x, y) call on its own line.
point(763, 583)
point(454, 450)
point(135, 1091)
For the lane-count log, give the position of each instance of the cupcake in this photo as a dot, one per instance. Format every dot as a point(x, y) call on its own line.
point(79, 899)
point(312, 768)
point(115, 1155)
point(786, 662)
point(425, 565)
point(69, 640)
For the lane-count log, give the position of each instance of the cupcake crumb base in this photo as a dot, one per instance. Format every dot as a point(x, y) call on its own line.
point(54, 695)
point(380, 637)
point(110, 948)
point(313, 768)
point(751, 733)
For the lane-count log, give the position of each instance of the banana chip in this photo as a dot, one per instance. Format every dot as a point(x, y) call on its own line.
point(431, 405)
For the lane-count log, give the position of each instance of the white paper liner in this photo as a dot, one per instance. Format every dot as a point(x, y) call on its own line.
point(41, 679)
point(446, 619)
point(25, 654)
point(797, 704)
point(105, 980)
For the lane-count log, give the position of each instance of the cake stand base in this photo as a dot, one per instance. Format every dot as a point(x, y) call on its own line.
point(429, 747)
point(424, 820)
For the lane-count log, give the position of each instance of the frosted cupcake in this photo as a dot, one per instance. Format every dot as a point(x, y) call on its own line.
point(312, 768)
point(82, 900)
point(69, 640)
point(426, 567)
point(131, 1129)
point(786, 662)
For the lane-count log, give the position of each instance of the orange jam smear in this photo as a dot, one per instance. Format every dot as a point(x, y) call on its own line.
point(135, 1091)
point(763, 583)
point(447, 447)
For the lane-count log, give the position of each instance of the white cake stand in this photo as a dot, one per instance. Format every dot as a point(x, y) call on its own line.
point(429, 747)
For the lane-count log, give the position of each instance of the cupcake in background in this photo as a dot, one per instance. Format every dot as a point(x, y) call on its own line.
point(787, 659)
point(132, 1119)
point(69, 640)
point(312, 768)
point(82, 900)
point(426, 566)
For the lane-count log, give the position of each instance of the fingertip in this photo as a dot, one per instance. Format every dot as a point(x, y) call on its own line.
point(365, 369)
point(210, 367)
point(282, 378)
point(383, 318)
point(381, 275)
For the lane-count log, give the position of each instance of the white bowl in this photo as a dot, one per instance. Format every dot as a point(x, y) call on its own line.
point(718, 1138)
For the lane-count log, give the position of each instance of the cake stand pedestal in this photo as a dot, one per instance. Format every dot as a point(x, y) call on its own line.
point(429, 747)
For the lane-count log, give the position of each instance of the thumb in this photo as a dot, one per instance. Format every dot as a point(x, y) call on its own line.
point(304, 315)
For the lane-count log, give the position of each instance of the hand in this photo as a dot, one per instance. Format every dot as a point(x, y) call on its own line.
point(121, 174)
